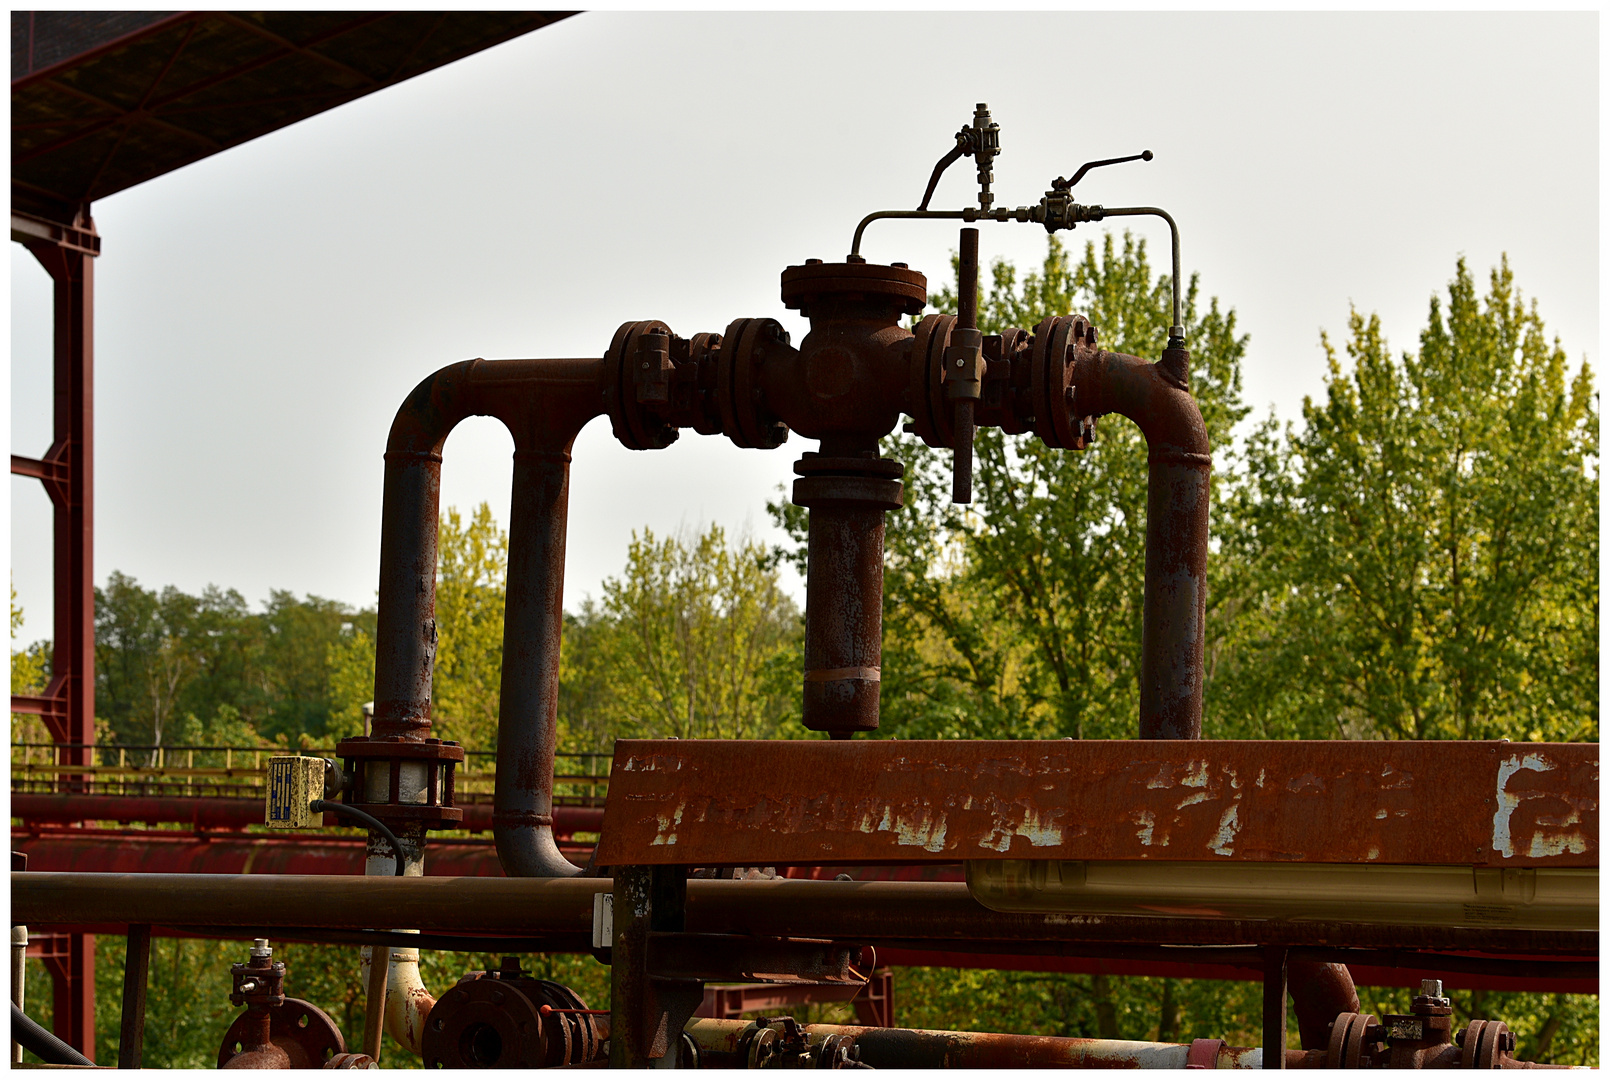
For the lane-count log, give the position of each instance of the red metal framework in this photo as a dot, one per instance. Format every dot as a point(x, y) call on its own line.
point(67, 469)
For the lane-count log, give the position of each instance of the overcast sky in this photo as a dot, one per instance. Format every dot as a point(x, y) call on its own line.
point(261, 314)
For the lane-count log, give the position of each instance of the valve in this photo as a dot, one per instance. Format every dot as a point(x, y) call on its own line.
point(275, 1031)
point(980, 141)
point(507, 1018)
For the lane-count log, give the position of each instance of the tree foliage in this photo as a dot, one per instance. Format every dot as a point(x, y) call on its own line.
point(696, 639)
point(1420, 558)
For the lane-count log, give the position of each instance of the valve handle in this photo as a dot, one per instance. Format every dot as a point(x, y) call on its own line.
point(980, 141)
point(1063, 185)
point(963, 374)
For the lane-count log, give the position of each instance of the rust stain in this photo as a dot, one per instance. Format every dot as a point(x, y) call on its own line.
point(914, 801)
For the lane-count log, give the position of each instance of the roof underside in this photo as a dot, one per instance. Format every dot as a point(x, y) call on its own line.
point(101, 101)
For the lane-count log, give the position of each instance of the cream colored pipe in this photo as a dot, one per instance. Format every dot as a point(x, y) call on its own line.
point(408, 1003)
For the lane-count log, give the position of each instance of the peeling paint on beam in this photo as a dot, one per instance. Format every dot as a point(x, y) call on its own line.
point(717, 802)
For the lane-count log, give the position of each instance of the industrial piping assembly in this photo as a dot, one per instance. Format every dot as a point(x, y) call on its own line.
point(1056, 837)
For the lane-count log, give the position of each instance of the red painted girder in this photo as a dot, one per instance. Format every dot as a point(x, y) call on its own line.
point(107, 852)
point(227, 813)
point(702, 802)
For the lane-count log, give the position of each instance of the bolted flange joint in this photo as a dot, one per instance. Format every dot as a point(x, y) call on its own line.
point(406, 783)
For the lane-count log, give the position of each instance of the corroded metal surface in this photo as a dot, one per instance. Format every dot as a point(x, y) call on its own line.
point(726, 1042)
point(712, 802)
point(870, 912)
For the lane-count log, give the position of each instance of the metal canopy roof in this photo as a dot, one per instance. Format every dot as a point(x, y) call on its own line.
point(101, 101)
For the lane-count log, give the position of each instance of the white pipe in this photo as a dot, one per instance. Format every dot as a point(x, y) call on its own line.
point(408, 1003)
point(19, 978)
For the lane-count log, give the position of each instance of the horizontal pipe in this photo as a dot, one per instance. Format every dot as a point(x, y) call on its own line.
point(906, 1048)
point(228, 813)
point(864, 912)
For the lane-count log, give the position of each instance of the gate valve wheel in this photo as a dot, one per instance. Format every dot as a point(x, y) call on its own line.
point(302, 1030)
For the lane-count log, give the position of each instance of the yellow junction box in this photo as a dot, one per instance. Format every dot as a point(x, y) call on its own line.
point(294, 781)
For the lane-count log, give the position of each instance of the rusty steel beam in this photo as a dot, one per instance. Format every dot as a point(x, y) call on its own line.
point(869, 913)
point(801, 802)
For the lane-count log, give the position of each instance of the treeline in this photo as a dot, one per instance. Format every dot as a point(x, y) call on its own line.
point(1415, 557)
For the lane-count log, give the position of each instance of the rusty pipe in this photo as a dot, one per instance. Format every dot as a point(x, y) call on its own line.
point(906, 1048)
point(1319, 993)
point(869, 912)
point(1157, 397)
point(544, 404)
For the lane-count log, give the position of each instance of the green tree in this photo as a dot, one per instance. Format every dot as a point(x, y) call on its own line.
point(1420, 559)
point(701, 632)
point(30, 671)
point(472, 566)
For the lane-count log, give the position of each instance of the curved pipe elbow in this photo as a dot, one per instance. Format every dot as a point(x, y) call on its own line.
point(1157, 397)
point(1179, 465)
point(408, 1003)
point(526, 850)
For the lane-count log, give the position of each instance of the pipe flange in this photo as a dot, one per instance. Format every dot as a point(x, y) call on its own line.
point(904, 288)
point(483, 1024)
point(1351, 1044)
point(930, 412)
point(351, 1061)
point(1007, 399)
point(737, 391)
point(1483, 1044)
point(632, 364)
point(302, 1030)
point(424, 768)
point(1060, 419)
point(494, 1020)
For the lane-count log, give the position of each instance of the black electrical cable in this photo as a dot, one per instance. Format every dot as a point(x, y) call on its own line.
point(331, 807)
point(48, 1048)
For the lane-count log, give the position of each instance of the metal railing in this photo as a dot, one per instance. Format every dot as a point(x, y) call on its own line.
point(580, 779)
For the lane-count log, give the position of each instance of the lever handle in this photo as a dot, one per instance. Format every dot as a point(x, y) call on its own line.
point(963, 376)
point(1144, 155)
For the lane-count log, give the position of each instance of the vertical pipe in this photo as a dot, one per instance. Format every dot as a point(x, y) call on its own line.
point(19, 980)
point(1173, 626)
point(847, 499)
point(136, 967)
point(1274, 1007)
point(629, 991)
point(405, 632)
point(966, 319)
point(374, 1014)
point(528, 704)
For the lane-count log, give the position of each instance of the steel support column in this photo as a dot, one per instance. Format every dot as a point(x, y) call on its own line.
point(67, 252)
